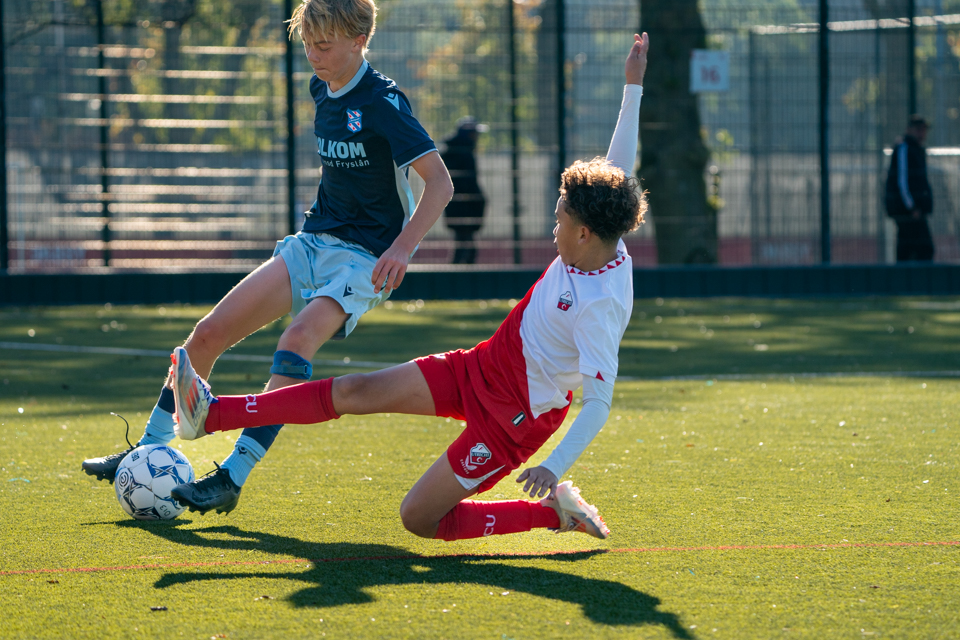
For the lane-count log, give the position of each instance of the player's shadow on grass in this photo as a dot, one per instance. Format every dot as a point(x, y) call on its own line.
point(341, 573)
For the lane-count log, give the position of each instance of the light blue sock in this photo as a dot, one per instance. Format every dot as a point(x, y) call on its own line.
point(159, 429)
point(246, 453)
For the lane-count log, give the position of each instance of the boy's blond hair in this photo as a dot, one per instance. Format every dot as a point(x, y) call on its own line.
point(337, 18)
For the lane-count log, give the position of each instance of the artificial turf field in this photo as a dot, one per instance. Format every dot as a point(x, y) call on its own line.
point(746, 500)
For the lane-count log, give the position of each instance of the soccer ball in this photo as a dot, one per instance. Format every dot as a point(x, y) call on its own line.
point(145, 478)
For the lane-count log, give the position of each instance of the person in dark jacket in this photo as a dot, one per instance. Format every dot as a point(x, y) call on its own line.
point(909, 198)
point(464, 214)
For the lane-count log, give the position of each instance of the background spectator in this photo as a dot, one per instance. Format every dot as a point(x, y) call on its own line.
point(909, 198)
point(464, 214)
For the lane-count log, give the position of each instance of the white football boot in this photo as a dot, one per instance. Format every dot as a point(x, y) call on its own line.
point(192, 397)
point(575, 514)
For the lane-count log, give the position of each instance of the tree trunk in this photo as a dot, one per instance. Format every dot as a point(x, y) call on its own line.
point(674, 155)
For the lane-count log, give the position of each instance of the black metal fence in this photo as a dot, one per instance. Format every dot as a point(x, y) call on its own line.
point(176, 135)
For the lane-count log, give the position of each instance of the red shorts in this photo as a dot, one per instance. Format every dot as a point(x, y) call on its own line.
point(484, 453)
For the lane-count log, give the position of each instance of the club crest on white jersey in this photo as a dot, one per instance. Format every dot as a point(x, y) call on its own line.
point(566, 301)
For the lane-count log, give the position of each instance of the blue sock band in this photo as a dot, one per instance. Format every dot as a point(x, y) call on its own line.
point(263, 436)
point(166, 401)
point(291, 365)
point(159, 429)
point(246, 453)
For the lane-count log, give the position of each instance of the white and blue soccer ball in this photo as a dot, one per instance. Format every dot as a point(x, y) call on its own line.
point(146, 477)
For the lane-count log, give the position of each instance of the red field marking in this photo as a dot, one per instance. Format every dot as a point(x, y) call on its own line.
point(736, 547)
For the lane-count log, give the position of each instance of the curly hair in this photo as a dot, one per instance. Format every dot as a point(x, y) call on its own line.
point(602, 197)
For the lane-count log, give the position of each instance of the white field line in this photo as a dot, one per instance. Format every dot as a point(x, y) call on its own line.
point(118, 351)
point(366, 364)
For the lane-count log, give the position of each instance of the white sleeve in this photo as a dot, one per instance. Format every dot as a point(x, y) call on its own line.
point(597, 398)
point(902, 174)
point(597, 336)
point(623, 145)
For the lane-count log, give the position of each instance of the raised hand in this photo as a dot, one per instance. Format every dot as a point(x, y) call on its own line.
point(636, 64)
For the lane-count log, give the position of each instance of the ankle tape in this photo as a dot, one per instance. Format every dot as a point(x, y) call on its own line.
point(291, 365)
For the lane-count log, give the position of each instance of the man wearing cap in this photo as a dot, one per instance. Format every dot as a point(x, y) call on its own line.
point(464, 213)
point(909, 198)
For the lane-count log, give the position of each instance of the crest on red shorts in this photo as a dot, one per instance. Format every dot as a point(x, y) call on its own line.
point(566, 301)
point(479, 454)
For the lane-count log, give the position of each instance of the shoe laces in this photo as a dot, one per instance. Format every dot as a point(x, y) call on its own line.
point(119, 454)
point(205, 388)
point(126, 436)
point(212, 480)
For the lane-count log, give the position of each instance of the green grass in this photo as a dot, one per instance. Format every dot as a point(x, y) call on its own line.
point(813, 480)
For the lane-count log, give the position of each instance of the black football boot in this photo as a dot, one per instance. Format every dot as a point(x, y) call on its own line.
point(215, 490)
point(105, 468)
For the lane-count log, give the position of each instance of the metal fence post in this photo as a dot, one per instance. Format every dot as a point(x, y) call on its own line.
point(880, 121)
point(514, 141)
point(4, 232)
point(912, 55)
point(754, 121)
point(291, 132)
point(561, 88)
point(824, 95)
point(104, 138)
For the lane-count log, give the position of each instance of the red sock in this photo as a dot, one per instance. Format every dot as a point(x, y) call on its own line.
point(299, 404)
point(476, 519)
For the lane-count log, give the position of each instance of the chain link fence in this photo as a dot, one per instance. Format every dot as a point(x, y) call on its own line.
point(157, 135)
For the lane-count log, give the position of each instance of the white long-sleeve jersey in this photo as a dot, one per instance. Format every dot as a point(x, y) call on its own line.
point(568, 330)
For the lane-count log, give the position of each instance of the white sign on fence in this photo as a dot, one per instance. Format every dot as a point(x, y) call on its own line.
point(709, 70)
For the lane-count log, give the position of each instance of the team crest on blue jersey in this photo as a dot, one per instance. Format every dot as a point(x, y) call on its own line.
point(566, 301)
point(353, 120)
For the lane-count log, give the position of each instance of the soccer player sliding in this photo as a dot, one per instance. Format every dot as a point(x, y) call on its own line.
point(514, 389)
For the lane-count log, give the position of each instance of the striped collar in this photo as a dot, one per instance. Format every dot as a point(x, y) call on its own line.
point(620, 259)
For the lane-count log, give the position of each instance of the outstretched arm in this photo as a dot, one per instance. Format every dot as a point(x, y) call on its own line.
point(438, 189)
point(597, 398)
point(623, 146)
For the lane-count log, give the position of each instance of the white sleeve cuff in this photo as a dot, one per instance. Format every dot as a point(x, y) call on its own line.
point(597, 398)
point(623, 146)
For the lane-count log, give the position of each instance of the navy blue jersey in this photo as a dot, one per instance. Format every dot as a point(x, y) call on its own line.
point(366, 136)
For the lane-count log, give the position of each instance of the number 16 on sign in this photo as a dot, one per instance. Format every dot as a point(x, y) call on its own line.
point(709, 70)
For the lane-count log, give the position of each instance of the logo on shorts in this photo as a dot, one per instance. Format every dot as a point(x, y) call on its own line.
point(517, 419)
point(353, 120)
point(479, 454)
point(565, 302)
point(251, 404)
point(347, 291)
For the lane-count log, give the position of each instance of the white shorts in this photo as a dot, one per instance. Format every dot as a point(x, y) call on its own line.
point(322, 266)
